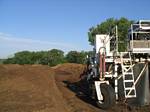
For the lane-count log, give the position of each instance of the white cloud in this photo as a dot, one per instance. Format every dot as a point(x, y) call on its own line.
point(10, 44)
point(14, 40)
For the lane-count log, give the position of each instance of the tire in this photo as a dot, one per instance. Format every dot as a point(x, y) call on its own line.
point(109, 98)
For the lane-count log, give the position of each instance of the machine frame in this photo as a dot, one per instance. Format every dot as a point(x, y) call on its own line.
point(110, 65)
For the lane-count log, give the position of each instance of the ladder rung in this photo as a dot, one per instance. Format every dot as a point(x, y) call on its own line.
point(129, 81)
point(125, 66)
point(130, 88)
point(128, 73)
point(130, 96)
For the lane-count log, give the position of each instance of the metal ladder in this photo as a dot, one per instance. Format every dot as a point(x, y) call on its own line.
point(128, 76)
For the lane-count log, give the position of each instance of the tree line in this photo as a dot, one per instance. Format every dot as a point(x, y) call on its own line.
point(51, 57)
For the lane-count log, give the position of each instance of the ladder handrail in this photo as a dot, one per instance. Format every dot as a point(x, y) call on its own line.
point(125, 72)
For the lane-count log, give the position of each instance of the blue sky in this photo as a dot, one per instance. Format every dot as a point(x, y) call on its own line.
point(62, 24)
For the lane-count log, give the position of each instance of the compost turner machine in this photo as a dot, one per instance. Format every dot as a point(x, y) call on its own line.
point(112, 74)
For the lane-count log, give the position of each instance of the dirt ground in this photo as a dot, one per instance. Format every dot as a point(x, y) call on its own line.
point(38, 88)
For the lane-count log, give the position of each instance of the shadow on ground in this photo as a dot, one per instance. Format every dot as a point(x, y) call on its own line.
point(81, 90)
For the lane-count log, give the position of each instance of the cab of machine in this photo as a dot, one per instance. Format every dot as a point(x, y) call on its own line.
point(139, 37)
point(144, 24)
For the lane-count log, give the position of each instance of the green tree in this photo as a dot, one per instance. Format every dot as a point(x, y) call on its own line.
point(9, 61)
point(41, 57)
point(51, 58)
point(24, 57)
point(76, 57)
point(1, 61)
point(55, 57)
point(105, 28)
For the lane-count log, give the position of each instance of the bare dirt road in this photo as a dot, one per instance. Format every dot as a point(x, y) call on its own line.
point(38, 88)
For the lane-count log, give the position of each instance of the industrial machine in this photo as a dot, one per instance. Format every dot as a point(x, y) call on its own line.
point(108, 68)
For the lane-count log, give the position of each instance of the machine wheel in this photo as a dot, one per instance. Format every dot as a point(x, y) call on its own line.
point(109, 98)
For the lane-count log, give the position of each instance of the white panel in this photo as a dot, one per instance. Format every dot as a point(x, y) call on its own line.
point(99, 42)
point(103, 41)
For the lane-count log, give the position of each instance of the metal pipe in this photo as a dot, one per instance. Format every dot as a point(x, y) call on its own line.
point(104, 65)
point(102, 62)
point(116, 38)
point(116, 81)
point(132, 34)
point(100, 65)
